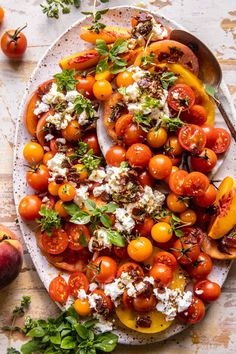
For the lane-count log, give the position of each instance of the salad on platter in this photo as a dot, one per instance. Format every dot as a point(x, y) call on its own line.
point(133, 230)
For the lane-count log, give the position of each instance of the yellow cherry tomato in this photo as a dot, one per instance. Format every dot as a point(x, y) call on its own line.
point(59, 208)
point(161, 232)
point(157, 137)
point(105, 75)
point(47, 156)
point(33, 152)
point(140, 249)
point(66, 192)
point(83, 174)
point(189, 216)
point(102, 90)
point(53, 188)
point(124, 79)
point(176, 203)
point(82, 307)
point(72, 132)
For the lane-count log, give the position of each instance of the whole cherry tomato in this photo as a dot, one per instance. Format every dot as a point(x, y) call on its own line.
point(37, 178)
point(145, 179)
point(176, 181)
point(140, 249)
point(195, 184)
point(133, 134)
point(14, 43)
point(194, 313)
point(102, 90)
point(138, 155)
point(205, 161)
point(161, 273)
point(200, 268)
point(33, 152)
point(157, 137)
point(124, 79)
point(29, 207)
point(85, 84)
point(207, 290)
point(160, 166)
point(207, 199)
point(185, 251)
point(104, 269)
point(195, 115)
point(211, 134)
point(166, 258)
point(115, 155)
point(92, 141)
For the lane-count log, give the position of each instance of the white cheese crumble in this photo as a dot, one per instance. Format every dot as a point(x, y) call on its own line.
point(151, 200)
point(48, 137)
point(53, 96)
point(138, 73)
point(55, 165)
point(116, 288)
point(103, 325)
point(124, 221)
point(93, 286)
point(61, 141)
point(71, 95)
point(81, 195)
point(92, 300)
point(97, 176)
point(83, 118)
point(132, 92)
point(82, 294)
point(99, 241)
point(158, 31)
point(199, 291)
point(60, 120)
point(41, 108)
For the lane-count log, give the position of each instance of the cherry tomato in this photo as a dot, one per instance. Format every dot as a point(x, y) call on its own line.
point(1, 14)
point(138, 155)
point(203, 218)
point(133, 134)
point(160, 166)
point(143, 303)
point(47, 156)
point(123, 123)
point(115, 155)
point(157, 137)
point(82, 307)
point(177, 203)
point(58, 289)
point(92, 141)
point(140, 249)
point(195, 115)
point(144, 229)
point(104, 269)
point(176, 181)
point(81, 172)
point(161, 232)
point(120, 252)
point(131, 268)
point(14, 43)
point(29, 207)
point(161, 273)
point(176, 161)
point(207, 199)
point(222, 142)
point(124, 79)
point(66, 192)
point(145, 179)
point(166, 258)
point(192, 138)
point(181, 97)
point(211, 134)
point(195, 184)
point(76, 282)
point(56, 243)
point(173, 147)
point(85, 84)
point(53, 188)
point(59, 208)
point(207, 290)
point(205, 161)
point(106, 305)
point(33, 152)
point(189, 217)
point(38, 177)
point(200, 268)
point(127, 301)
point(194, 313)
point(78, 236)
point(173, 170)
point(102, 90)
point(185, 251)
point(72, 132)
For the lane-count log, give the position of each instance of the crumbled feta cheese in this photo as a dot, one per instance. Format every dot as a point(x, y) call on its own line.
point(97, 176)
point(55, 165)
point(132, 92)
point(48, 137)
point(92, 298)
point(131, 290)
point(83, 118)
point(158, 31)
point(175, 95)
point(150, 280)
point(45, 199)
point(99, 241)
point(103, 325)
point(53, 96)
point(151, 200)
point(81, 195)
point(124, 221)
point(199, 291)
point(41, 108)
point(92, 286)
point(138, 73)
point(185, 301)
point(71, 95)
point(59, 120)
point(61, 141)
point(82, 294)
point(114, 290)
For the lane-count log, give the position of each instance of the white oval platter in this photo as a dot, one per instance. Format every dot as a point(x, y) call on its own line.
point(68, 43)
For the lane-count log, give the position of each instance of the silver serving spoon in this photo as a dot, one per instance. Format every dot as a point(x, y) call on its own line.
point(210, 71)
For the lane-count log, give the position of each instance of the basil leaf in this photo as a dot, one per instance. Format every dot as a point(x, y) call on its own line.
point(36, 332)
point(116, 238)
point(120, 46)
point(104, 1)
point(64, 332)
point(106, 342)
point(71, 208)
point(210, 90)
point(90, 323)
point(115, 69)
point(71, 320)
point(87, 12)
point(81, 330)
point(77, 3)
point(30, 347)
point(90, 205)
point(80, 218)
point(102, 66)
point(102, 47)
point(105, 220)
point(68, 343)
point(111, 207)
point(56, 339)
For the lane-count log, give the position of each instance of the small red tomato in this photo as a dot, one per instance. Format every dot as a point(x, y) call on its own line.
point(160, 166)
point(161, 273)
point(138, 155)
point(205, 161)
point(115, 155)
point(194, 313)
point(207, 290)
point(14, 43)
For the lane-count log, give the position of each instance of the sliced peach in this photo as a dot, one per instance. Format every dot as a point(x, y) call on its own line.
point(209, 246)
point(40, 132)
point(108, 107)
point(30, 119)
point(109, 34)
point(80, 61)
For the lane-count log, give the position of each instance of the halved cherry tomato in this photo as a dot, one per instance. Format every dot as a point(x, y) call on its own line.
point(176, 181)
point(58, 289)
point(205, 161)
point(145, 179)
point(192, 138)
point(211, 134)
point(200, 268)
point(222, 142)
point(37, 178)
point(104, 269)
point(140, 249)
point(123, 123)
point(207, 290)
point(131, 268)
point(207, 199)
point(92, 141)
point(138, 155)
point(133, 134)
point(161, 273)
point(29, 207)
point(195, 115)
point(194, 313)
point(166, 258)
point(185, 251)
point(115, 155)
point(181, 97)
point(160, 166)
point(195, 184)
point(76, 282)
point(78, 236)
point(56, 243)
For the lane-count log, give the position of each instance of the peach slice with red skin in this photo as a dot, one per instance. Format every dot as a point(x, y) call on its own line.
point(109, 34)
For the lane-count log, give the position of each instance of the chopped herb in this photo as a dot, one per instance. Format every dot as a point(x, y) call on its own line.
point(167, 79)
point(66, 80)
point(49, 220)
point(172, 124)
point(151, 102)
point(96, 25)
point(147, 59)
point(83, 104)
point(12, 351)
point(143, 121)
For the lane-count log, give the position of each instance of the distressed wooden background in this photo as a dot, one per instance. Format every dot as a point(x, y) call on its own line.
point(214, 21)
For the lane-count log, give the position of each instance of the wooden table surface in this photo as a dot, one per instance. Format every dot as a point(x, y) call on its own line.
point(212, 21)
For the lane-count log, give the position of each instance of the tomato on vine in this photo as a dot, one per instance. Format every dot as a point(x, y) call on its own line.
point(14, 43)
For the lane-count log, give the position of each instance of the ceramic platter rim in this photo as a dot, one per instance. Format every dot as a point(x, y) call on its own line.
point(46, 271)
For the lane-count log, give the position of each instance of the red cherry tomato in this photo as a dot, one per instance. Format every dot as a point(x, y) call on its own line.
point(120, 252)
point(37, 178)
point(56, 243)
point(144, 229)
point(207, 199)
point(92, 141)
point(201, 268)
point(138, 155)
point(185, 251)
point(14, 43)
point(133, 134)
point(104, 269)
point(143, 303)
point(205, 161)
point(194, 313)
point(78, 236)
point(176, 181)
point(115, 155)
point(76, 282)
point(211, 134)
point(192, 138)
point(166, 258)
point(181, 97)
point(85, 84)
point(195, 115)
point(222, 142)
point(195, 184)
point(207, 290)
point(161, 273)
point(145, 179)
point(131, 268)
point(58, 289)
point(29, 207)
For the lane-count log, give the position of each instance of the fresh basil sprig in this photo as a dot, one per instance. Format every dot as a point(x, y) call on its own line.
point(96, 25)
point(49, 220)
point(66, 80)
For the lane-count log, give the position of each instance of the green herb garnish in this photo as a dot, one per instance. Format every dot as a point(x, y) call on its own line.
point(147, 60)
point(96, 25)
point(167, 79)
point(49, 220)
point(66, 80)
point(83, 104)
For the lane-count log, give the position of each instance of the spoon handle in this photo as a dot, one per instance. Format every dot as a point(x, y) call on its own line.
point(227, 119)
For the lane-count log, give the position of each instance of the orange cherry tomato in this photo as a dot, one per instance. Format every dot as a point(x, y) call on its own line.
point(173, 170)
point(48, 156)
point(124, 79)
point(37, 178)
point(176, 181)
point(195, 184)
point(144, 229)
point(140, 249)
point(66, 192)
point(192, 138)
point(161, 273)
point(195, 115)
point(130, 268)
point(33, 152)
point(115, 155)
point(104, 269)
point(157, 137)
point(53, 188)
point(138, 155)
point(143, 303)
point(173, 147)
point(133, 134)
point(29, 207)
point(102, 90)
point(188, 216)
point(205, 161)
point(160, 166)
point(123, 123)
point(82, 307)
point(161, 232)
point(1, 14)
point(207, 199)
point(185, 251)
point(72, 132)
point(166, 258)
point(176, 203)
point(59, 208)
